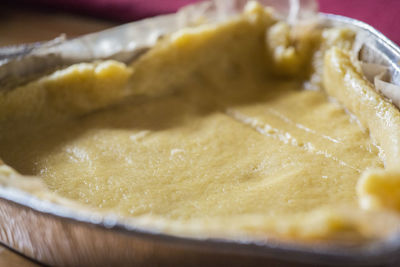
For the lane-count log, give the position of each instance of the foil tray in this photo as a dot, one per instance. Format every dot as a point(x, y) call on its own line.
point(58, 235)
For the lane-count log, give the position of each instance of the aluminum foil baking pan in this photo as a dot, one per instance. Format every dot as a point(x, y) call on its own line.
point(58, 235)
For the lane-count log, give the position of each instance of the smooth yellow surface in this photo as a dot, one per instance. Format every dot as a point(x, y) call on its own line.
point(377, 189)
point(202, 130)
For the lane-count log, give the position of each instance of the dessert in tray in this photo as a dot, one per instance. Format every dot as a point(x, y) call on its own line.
point(251, 128)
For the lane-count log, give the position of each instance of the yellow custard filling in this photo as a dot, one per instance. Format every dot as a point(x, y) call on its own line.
point(214, 132)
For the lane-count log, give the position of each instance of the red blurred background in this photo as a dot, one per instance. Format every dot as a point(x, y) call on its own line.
point(382, 14)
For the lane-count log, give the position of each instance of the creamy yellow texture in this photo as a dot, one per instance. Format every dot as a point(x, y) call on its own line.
point(202, 130)
point(377, 189)
point(188, 155)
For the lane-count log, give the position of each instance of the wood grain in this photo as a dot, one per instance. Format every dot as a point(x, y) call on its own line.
point(57, 241)
point(11, 259)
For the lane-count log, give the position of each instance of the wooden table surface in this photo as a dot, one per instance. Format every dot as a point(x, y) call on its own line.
point(25, 26)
